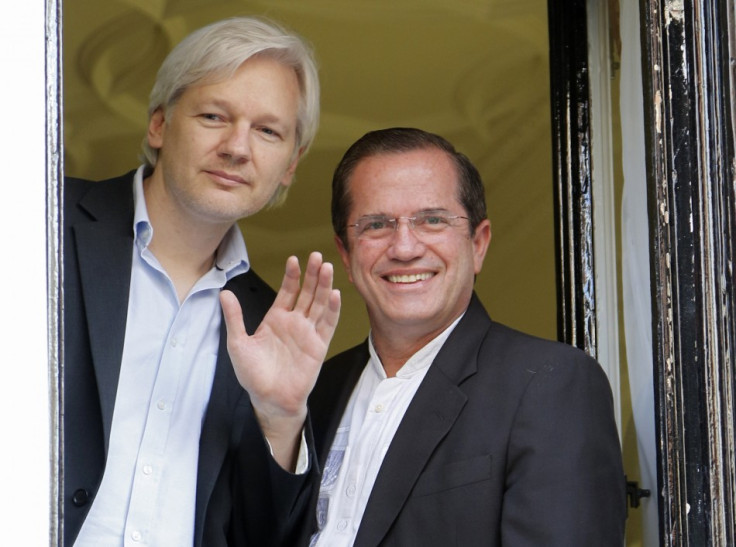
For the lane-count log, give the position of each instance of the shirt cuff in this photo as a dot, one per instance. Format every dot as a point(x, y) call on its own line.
point(302, 459)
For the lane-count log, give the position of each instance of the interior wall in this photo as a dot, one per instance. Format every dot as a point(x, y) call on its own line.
point(474, 71)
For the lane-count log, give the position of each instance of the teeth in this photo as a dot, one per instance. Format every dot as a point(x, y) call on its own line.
point(413, 278)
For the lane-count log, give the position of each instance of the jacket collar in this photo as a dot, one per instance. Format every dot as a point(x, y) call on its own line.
point(430, 416)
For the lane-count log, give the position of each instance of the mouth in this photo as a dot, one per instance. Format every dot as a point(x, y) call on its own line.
point(409, 278)
point(228, 178)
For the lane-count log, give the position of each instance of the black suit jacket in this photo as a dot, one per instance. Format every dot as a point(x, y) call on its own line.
point(510, 440)
point(98, 246)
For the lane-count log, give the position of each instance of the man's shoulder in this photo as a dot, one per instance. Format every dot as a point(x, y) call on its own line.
point(514, 337)
point(526, 354)
point(503, 344)
point(98, 193)
point(76, 183)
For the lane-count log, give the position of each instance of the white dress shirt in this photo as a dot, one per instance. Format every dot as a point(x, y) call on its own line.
point(147, 494)
point(371, 418)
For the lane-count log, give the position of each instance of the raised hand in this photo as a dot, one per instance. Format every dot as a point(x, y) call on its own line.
point(278, 365)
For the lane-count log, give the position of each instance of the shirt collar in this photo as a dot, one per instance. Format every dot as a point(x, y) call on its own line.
point(420, 360)
point(232, 255)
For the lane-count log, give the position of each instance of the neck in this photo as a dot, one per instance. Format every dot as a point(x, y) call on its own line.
point(185, 248)
point(395, 350)
point(184, 265)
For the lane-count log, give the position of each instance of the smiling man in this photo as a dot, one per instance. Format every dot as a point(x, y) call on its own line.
point(152, 407)
point(444, 427)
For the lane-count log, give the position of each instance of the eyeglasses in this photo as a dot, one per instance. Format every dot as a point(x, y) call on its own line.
point(424, 223)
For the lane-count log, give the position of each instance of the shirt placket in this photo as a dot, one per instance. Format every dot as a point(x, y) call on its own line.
point(150, 467)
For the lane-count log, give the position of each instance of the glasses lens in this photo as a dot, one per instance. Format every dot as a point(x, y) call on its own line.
point(380, 226)
point(431, 222)
point(375, 227)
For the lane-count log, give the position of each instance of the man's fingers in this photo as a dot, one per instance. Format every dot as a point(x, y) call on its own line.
point(328, 323)
point(316, 300)
point(311, 282)
point(233, 314)
point(287, 295)
point(322, 292)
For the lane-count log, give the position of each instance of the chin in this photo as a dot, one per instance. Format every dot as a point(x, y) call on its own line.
point(414, 319)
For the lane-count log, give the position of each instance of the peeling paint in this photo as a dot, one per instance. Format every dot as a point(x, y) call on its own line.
point(674, 11)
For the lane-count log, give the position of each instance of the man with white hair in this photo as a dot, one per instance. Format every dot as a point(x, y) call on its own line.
point(152, 407)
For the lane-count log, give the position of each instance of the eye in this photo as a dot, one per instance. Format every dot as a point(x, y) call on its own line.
point(269, 132)
point(210, 117)
point(433, 220)
point(372, 224)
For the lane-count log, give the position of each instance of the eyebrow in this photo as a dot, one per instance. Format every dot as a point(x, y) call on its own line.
point(419, 212)
point(267, 117)
point(213, 102)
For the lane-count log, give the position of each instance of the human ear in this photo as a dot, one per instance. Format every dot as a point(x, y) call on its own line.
point(156, 126)
point(344, 256)
point(481, 241)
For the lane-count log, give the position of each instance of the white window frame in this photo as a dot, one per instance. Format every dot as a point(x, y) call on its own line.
point(27, 470)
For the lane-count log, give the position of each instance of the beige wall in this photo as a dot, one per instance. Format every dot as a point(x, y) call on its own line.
point(475, 72)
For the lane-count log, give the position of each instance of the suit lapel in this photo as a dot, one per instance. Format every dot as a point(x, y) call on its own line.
point(415, 440)
point(217, 426)
point(104, 249)
point(430, 416)
point(228, 402)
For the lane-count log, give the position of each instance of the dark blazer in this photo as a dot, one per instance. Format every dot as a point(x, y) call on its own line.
point(510, 440)
point(98, 246)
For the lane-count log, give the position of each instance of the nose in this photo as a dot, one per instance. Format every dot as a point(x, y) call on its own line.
point(235, 144)
point(404, 244)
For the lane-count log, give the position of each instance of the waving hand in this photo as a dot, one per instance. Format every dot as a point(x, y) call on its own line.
point(278, 365)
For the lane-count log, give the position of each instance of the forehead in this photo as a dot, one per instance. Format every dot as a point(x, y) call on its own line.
point(261, 79)
point(411, 181)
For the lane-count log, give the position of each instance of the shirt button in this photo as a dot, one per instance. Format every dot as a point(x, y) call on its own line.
point(173, 342)
point(342, 525)
point(147, 469)
point(161, 405)
point(350, 491)
point(136, 536)
point(80, 497)
point(379, 408)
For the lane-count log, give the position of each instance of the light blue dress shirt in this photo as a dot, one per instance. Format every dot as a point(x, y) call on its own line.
point(147, 494)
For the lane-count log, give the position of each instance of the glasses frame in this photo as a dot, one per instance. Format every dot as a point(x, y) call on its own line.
point(393, 224)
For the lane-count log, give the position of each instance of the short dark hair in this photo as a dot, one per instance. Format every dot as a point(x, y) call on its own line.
point(397, 140)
